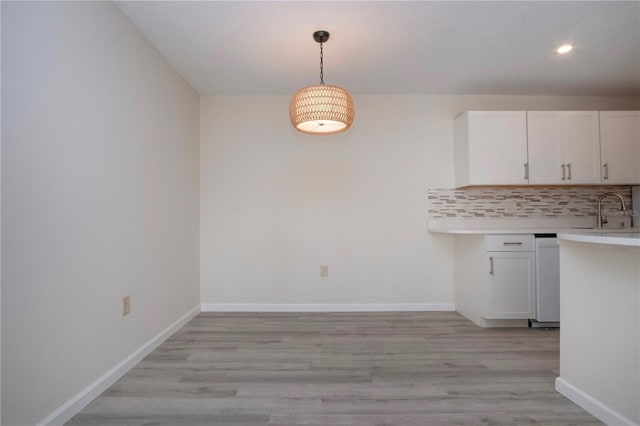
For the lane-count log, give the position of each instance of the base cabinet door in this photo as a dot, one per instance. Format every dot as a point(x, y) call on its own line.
point(510, 285)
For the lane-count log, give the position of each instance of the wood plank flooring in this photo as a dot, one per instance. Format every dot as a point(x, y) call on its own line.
point(426, 368)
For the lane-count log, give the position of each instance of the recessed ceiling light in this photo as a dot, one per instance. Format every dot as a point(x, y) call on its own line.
point(565, 48)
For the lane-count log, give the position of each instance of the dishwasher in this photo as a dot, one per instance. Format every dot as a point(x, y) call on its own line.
point(547, 281)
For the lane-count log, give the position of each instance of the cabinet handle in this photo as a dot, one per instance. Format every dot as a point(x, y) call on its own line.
point(526, 171)
point(512, 243)
point(491, 265)
point(568, 171)
point(605, 166)
point(564, 175)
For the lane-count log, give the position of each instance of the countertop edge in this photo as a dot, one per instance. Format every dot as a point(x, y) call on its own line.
point(500, 231)
point(510, 226)
point(625, 239)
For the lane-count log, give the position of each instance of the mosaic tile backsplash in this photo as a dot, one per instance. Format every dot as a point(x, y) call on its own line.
point(538, 202)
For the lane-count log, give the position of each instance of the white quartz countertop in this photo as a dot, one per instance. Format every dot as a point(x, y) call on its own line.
point(581, 225)
point(618, 238)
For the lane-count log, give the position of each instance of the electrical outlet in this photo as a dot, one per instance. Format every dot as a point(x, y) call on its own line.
point(324, 271)
point(126, 305)
point(510, 207)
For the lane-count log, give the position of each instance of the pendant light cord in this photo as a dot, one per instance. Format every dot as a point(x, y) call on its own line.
point(321, 65)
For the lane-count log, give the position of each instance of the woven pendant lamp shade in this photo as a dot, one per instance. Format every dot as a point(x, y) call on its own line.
point(321, 109)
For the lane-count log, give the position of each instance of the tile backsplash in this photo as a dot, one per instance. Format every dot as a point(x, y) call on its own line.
point(538, 202)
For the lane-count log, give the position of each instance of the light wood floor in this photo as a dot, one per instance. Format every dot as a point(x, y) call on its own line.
point(431, 368)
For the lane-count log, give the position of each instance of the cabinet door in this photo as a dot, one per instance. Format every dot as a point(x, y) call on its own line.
point(620, 146)
point(581, 143)
point(510, 285)
point(497, 147)
point(544, 146)
point(564, 147)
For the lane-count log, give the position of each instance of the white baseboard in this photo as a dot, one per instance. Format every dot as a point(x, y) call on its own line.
point(80, 400)
point(591, 405)
point(323, 307)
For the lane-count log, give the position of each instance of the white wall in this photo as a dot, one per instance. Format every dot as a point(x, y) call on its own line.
point(99, 199)
point(0, 236)
point(276, 204)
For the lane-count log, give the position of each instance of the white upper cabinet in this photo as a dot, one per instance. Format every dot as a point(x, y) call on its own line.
point(620, 146)
point(490, 148)
point(563, 147)
point(545, 153)
point(582, 147)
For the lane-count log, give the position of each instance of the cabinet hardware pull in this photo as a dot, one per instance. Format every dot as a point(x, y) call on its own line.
point(514, 243)
point(491, 265)
point(568, 171)
point(605, 166)
point(526, 171)
point(563, 172)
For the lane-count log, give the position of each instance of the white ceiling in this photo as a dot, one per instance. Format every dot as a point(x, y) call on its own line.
point(477, 47)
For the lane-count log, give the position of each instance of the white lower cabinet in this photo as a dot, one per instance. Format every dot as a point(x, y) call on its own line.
point(510, 291)
point(495, 279)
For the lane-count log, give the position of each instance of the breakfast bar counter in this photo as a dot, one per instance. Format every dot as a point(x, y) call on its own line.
point(600, 317)
point(604, 237)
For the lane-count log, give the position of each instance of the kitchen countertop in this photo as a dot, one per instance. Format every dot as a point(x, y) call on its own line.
point(618, 238)
point(582, 225)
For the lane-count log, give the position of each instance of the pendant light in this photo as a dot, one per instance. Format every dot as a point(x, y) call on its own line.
point(321, 109)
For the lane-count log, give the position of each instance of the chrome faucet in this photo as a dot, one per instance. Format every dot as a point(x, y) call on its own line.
point(602, 197)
